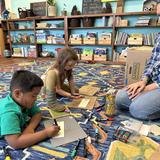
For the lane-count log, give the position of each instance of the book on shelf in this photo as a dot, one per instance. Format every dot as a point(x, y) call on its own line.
point(117, 21)
point(116, 56)
point(18, 52)
point(149, 39)
point(110, 21)
point(153, 22)
point(121, 38)
point(143, 21)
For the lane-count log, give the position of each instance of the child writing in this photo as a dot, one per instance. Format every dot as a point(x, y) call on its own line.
point(19, 108)
point(56, 75)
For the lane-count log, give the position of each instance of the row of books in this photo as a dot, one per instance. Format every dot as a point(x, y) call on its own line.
point(25, 51)
point(147, 39)
point(148, 21)
point(121, 38)
point(142, 21)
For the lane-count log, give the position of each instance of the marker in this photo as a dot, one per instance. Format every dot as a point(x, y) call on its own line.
point(89, 139)
point(84, 147)
point(100, 107)
point(7, 156)
point(55, 122)
point(105, 129)
point(90, 116)
point(74, 152)
point(96, 135)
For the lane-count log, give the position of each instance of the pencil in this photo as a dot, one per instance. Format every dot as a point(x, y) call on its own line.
point(55, 121)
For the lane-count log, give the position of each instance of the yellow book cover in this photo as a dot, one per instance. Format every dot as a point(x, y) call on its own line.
point(136, 35)
point(143, 150)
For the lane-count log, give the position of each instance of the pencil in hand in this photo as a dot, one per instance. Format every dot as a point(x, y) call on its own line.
point(55, 122)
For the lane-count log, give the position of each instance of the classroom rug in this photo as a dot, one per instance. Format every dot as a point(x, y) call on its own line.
point(95, 74)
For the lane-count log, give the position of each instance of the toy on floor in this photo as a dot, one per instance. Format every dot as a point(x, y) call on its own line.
point(110, 108)
point(122, 134)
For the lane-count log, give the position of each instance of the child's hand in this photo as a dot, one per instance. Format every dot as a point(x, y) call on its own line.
point(76, 96)
point(52, 131)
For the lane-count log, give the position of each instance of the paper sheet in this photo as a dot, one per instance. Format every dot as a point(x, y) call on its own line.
point(144, 130)
point(61, 132)
point(88, 90)
point(155, 130)
point(83, 103)
point(72, 131)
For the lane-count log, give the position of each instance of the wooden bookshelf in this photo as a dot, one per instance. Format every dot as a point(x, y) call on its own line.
point(68, 30)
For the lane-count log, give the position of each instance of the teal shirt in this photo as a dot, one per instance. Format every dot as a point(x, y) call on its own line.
point(12, 119)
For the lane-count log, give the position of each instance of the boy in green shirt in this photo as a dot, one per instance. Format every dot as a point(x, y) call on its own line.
point(19, 116)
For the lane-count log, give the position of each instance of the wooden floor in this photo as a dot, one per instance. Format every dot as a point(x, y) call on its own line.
point(7, 61)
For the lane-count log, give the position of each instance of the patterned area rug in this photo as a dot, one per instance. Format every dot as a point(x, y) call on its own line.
point(100, 75)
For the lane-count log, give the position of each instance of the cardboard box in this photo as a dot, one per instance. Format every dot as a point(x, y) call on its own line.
point(135, 64)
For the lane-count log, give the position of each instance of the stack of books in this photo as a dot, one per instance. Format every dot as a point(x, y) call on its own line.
point(143, 21)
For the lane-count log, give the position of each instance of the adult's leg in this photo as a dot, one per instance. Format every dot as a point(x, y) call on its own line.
point(122, 100)
point(146, 106)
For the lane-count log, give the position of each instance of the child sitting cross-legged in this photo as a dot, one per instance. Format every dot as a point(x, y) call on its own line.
point(54, 81)
point(19, 115)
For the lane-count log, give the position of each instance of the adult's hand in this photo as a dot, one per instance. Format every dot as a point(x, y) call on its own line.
point(150, 87)
point(134, 89)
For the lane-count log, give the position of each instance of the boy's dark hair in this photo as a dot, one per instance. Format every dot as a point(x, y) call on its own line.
point(25, 80)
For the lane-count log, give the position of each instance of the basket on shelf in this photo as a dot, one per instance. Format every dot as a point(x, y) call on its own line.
point(75, 23)
point(88, 22)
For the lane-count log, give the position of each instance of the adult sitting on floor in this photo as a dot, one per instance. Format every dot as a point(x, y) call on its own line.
point(142, 98)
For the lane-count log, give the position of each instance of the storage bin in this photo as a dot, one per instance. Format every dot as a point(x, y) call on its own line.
point(88, 40)
point(75, 40)
point(103, 40)
point(135, 41)
point(87, 57)
point(100, 57)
